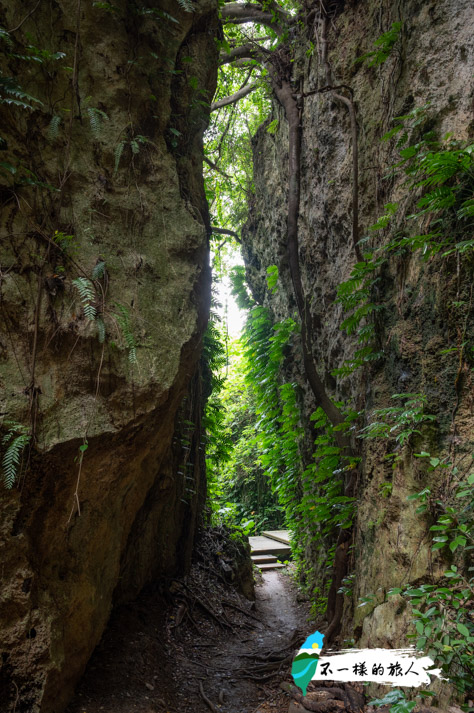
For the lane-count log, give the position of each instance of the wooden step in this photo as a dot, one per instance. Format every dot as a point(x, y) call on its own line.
point(266, 546)
point(278, 535)
point(265, 567)
point(263, 559)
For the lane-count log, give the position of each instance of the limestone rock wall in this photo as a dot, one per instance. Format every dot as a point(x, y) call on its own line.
point(431, 63)
point(104, 173)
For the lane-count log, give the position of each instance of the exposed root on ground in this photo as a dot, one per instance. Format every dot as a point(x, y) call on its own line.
point(328, 696)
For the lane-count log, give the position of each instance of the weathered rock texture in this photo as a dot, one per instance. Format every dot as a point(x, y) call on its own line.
point(431, 63)
point(121, 175)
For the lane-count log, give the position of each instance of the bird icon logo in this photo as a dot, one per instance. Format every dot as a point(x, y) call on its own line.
point(305, 662)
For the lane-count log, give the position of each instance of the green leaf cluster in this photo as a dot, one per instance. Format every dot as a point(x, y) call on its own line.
point(14, 442)
point(383, 46)
point(443, 172)
point(398, 422)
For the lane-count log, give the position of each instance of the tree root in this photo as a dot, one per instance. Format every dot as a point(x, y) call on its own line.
point(335, 600)
point(222, 621)
point(206, 700)
point(267, 656)
point(193, 598)
point(269, 669)
point(353, 701)
point(180, 614)
point(226, 603)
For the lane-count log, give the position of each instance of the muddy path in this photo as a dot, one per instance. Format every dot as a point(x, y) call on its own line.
point(198, 646)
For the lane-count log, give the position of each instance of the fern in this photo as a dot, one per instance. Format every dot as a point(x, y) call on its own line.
point(15, 440)
point(467, 209)
point(53, 128)
point(101, 331)
point(35, 54)
point(99, 270)
point(96, 119)
point(87, 294)
point(118, 154)
point(5, 37)
point(123, 320)
point(186, 5)
point(134, 146)
point(12, 94)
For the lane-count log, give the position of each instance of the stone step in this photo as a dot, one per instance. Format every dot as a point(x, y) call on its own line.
point(264, 559)
point(265, 567)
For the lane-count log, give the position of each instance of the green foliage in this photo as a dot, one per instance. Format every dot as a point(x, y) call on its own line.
point(443, 173)
point(123, 320)
point(107, 6)
point(22, 175)
point(97, 118)
point(28, 53)
point(135, 143)
point(275, 435)
point(384, 46)
point(355, 295)
point(398, 699)
point(228, 138)
point(14, 442)
point(53, 128)
point(444, 628)
point(87, 295)
point(331, 508)
point(99, 270)
point(262, 416)
point(5, 38)
point(446, 168)
point(239, 289)
point(186, 5)
point(312, 497)
point(64, 242)
point(96, 311)
point(398, 422)
point(386, 489)
point(118, 154)
point(272, 127)
point(101, 329)
point(347, 585)
point(13, 95)
point(218, 441)
point(239, 489)
point(156, 14)
point(442, 611)
point(35, 54)
point(272, 278)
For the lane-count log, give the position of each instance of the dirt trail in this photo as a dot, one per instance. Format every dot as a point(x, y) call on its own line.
point(149, 661)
